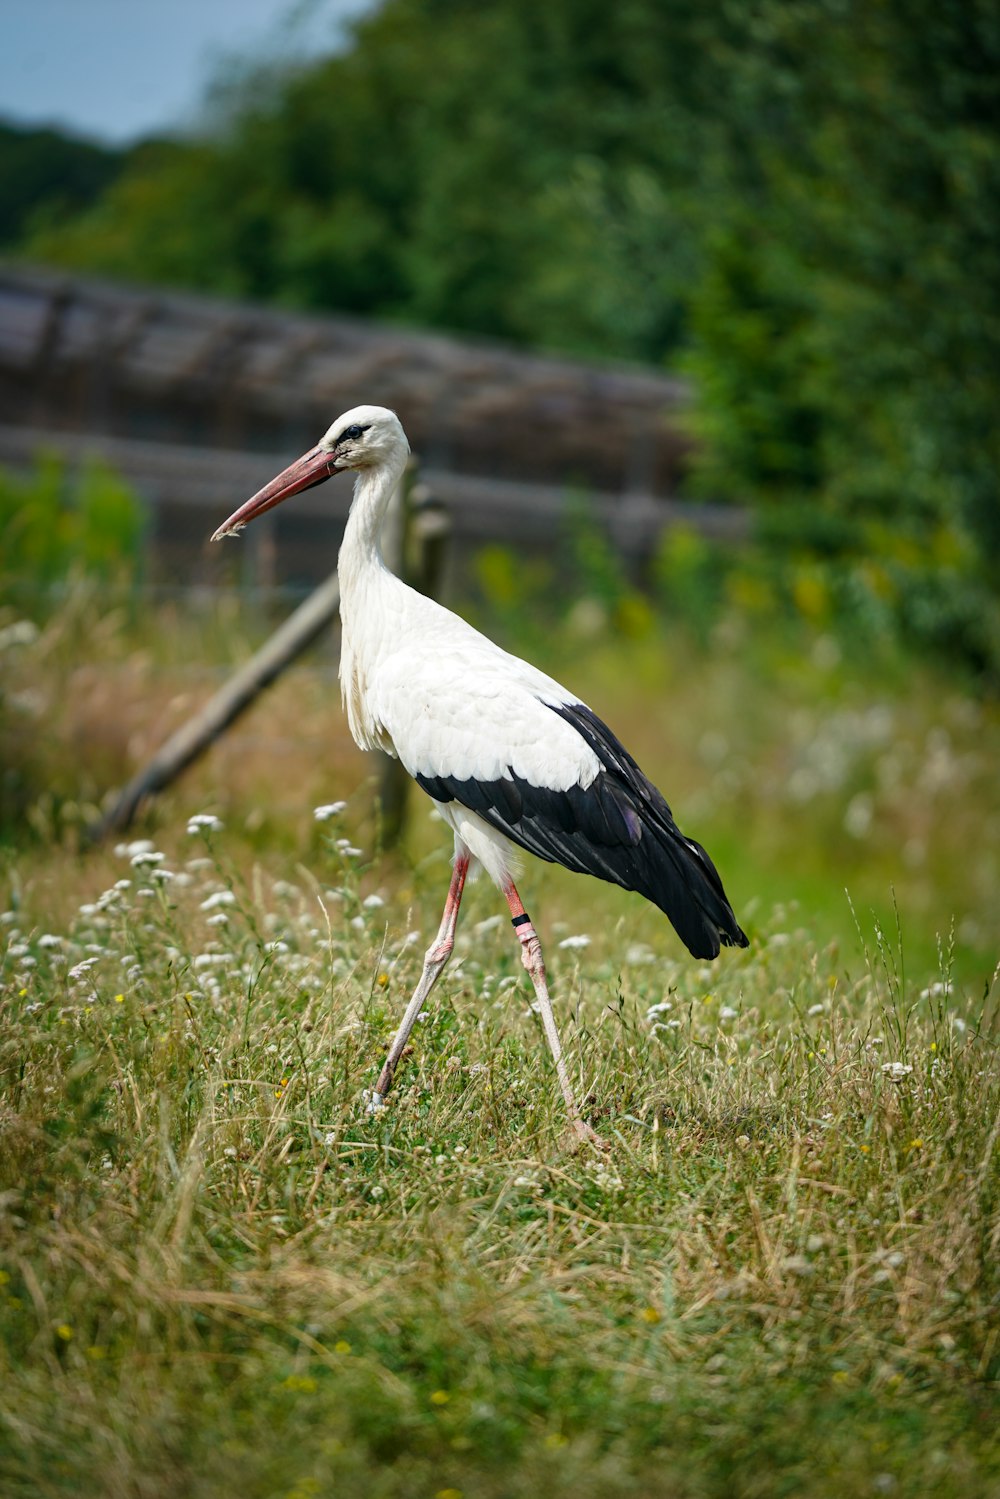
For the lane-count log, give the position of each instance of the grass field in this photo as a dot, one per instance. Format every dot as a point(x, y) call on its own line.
point(220, 1277)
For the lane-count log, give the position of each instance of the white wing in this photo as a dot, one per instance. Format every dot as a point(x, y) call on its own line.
point(460, 706)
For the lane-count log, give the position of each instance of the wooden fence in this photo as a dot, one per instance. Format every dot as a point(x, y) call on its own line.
point(197, 402)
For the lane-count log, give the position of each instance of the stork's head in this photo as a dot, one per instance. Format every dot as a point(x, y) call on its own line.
point(367, 437)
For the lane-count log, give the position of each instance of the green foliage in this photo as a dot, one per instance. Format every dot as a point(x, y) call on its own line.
point(54, 523)
point(45, 176)
point(878, 592)
point(834, 332)
point(220, 1276)
point(797, 201)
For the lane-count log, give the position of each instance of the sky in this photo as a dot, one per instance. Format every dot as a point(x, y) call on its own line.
point(115, 70)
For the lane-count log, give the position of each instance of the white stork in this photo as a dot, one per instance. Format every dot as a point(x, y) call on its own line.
point(511, 759)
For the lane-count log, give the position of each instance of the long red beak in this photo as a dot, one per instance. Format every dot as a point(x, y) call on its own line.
point(312, 468)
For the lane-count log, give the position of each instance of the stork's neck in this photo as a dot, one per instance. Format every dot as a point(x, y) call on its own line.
point(360, 552)
point(365, 582)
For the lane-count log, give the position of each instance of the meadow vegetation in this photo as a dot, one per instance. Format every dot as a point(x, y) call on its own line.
point(220, 1276)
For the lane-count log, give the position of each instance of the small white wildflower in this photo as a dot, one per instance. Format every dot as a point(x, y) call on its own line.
point(378, 1192)
point(728, 1013)
point(50, 939)
point(146, 858)
point(205, 822)
point(816, 1009)
point(218, 898)
point(664, 1006)
point(372, 902)
point(21, 632)
point(896, 1070)
point(275, 946)
point(211, 959)
point(17, 949)
point(219, 919)
point(859, 815)
point(328, 810)
point(959, 1024)
point(581, 940)
point(137, 846)
point(82, 967)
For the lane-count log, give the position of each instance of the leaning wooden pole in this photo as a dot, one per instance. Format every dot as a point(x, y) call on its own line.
point(301, 628)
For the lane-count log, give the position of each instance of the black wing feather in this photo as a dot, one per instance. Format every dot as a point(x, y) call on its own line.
point(619, 828)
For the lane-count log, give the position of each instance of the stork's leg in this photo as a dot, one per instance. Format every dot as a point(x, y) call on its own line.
point(531, 957)
point(435, 958)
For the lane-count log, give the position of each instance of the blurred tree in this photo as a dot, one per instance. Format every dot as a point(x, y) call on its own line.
point(45, 174)
point(796, 200)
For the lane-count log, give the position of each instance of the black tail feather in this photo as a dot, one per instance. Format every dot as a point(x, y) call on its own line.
point(672, 871)
point(619, 828)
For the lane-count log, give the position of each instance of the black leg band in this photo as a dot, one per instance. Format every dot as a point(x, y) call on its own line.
point(517, 921)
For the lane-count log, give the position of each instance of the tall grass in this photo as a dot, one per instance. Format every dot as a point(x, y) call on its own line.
point(219, 1275)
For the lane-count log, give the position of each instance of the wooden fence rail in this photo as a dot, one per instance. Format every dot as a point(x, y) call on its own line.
point(187, 489)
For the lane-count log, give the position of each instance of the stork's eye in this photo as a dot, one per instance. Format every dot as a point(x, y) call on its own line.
point(353, 432)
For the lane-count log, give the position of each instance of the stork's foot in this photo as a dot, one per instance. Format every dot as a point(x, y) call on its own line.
point(583, 1134)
